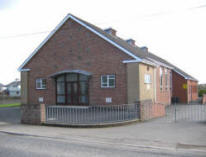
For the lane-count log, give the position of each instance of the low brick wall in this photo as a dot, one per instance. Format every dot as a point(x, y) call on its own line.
point(33, 113)
point(150, 110)
point(158, 110)
point(36, 113)
point(204, 99)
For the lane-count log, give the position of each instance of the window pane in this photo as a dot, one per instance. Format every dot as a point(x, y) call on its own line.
point(83, 77)
point(111, 76)
point(38, 80)
point(38, 85)
point(147, 78)
point(161, 79)
point(69, 88)
point(71, 77)
point(44, 83)
point(104, 79)
point(108, 81)
point(60, 99)
point(111, 82)
point(83, 99)
point(75, 88)
point(83, 88)
point(60, 78)
point(60, 88)
point(69, 99)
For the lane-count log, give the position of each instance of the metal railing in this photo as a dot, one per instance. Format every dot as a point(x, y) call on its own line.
point(106, 114)
point(91, 115)
point(183, 113)
point(187, 112)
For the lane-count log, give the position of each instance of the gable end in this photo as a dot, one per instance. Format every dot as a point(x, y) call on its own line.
point(84, 25)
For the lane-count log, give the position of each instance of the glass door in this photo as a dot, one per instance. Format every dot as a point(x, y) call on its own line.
point(72, 89)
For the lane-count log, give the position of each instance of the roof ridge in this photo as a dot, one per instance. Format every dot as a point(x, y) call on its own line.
point(133, 51)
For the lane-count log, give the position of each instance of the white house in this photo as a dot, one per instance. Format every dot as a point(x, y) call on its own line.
point(1, 87)
point(14, 88)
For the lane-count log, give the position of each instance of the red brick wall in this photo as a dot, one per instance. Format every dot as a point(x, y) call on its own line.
point(150, 110)
point(164, 95)
point(177, 87)
point(74, 47)
point(204, 99)
point(192, 90)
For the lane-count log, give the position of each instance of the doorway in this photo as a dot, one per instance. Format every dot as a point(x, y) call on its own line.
point(72, 89)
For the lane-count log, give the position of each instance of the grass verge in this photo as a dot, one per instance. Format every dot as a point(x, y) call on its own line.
point(10, 105)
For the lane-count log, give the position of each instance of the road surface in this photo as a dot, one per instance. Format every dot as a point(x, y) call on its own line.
point(15, 145)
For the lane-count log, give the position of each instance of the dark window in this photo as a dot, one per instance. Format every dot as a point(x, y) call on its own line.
point(72, 89)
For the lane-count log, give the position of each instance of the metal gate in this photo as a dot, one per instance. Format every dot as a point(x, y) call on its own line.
point(185, 112)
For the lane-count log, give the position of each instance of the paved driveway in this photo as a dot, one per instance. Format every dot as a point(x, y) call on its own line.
point(10, 115)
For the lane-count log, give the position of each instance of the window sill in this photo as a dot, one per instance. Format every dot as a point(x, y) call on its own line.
point(107, 87)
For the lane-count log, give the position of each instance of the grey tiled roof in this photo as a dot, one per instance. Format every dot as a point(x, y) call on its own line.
point(173, 66)
point(135, 49)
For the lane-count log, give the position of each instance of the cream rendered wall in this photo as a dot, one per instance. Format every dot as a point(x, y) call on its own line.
point(147, 91)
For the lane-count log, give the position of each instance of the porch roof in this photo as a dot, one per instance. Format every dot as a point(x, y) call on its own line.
point(71, 71)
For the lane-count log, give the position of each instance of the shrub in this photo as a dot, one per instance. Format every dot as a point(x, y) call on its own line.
point(201, 92)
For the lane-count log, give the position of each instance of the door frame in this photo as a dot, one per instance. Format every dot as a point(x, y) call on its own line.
point(78, 90)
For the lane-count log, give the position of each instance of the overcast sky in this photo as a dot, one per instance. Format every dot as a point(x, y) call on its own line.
point(173, 29)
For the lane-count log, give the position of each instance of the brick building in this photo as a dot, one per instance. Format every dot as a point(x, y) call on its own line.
point(81, 64)
point(185, 87)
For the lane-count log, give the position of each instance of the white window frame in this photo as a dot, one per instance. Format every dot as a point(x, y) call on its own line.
point(170, 79)
point(40, 82)
point(166, 79)
point(147, 79)
point(109, 77)
point(161, 78)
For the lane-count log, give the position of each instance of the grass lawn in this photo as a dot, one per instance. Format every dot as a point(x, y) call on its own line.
point(10, 105)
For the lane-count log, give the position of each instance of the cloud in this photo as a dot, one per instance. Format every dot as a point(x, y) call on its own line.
point(198, 7)
point(7, 4)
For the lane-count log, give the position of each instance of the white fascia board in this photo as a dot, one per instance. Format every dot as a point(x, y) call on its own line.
point(25, 70)
point(130, 61)
point(161, 64)
point(149, 62)
point(185, 77)
point(84, 25)
point(139, 61)
point(43, 42)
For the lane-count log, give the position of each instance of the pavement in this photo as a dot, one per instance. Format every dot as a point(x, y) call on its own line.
point(187, 137)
